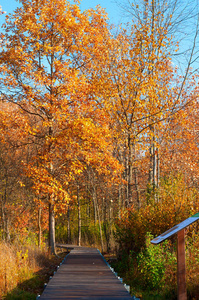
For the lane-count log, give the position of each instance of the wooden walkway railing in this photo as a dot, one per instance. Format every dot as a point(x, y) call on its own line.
point(85, 275)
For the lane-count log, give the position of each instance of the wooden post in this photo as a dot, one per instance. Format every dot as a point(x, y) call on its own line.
point(181, 273)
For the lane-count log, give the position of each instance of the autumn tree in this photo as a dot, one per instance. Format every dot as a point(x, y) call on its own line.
point(164, 21)
point(46, 68)
point(138, 91)
point(142, 89)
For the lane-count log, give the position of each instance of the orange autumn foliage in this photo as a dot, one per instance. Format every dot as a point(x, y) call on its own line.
point(176, 203)
point(47, 66)
point(47, 61)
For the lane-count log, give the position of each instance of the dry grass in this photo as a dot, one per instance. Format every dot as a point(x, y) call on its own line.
point(17, 265)
point(25, 268)
point(10, 268)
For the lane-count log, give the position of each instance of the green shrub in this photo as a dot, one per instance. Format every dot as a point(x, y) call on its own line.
point(152, 264)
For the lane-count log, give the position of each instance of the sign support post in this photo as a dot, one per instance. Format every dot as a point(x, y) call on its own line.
point(181, 272)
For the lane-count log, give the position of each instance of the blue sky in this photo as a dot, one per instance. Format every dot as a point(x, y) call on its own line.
point(114, 12)
point(116, 16)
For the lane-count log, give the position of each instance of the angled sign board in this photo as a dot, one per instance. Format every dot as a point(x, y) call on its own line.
point(175, 229)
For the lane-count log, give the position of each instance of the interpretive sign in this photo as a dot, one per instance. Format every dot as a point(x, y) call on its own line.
point(175, 229)
point(181, 268)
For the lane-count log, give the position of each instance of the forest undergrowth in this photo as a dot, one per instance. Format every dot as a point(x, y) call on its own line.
point(152, 273)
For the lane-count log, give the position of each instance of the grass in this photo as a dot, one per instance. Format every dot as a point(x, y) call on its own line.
point(18, 294)
point(24, 270)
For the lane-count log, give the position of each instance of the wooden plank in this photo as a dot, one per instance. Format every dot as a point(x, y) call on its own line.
point(85, 275)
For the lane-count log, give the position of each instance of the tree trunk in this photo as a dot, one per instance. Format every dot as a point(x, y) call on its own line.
point(119, 201)
point(129, 170)
point(128, 186)
point(7, 230)
point(94, 207)
point(51, 227)
point(3, 218)
point(39, 227)
point(136, 178)
point(158, 172)
point(100, 227)
point(68, 226)
point(137, 187)
point(154, 164)
point(79, 217)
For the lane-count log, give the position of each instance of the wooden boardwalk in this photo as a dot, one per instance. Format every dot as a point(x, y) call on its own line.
point(85, 275)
